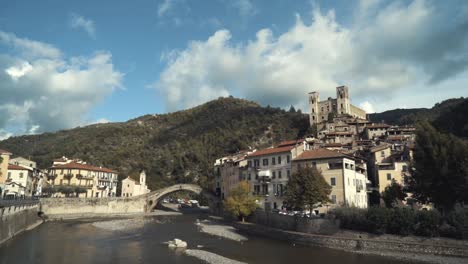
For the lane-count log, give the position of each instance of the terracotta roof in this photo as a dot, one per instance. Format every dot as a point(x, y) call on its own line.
point(271, 151)
point(4, 152)
point(290, 142)
point(378, 148)
point(378, 126)
point(319, 154)
point(79, 166)
point(16, 167)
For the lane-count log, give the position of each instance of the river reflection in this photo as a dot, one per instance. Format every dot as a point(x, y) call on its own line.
point(81, 242)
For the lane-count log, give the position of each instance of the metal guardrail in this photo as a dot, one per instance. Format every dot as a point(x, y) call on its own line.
point(17, 202)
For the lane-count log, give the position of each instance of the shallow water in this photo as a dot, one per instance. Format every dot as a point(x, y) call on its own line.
point(81, 242)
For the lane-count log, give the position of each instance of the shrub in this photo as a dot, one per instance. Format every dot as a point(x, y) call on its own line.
point(352, 218)
point(401, 221)
point(378, 219)
point(457, 224)
point(427, 223)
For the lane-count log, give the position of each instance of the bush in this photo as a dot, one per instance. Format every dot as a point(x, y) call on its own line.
point(378, 219)
point(457, 222)
point(352, 218)
point(401, 221)
point(427, 223)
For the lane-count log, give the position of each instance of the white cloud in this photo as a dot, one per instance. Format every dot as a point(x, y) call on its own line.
point(387, 49)
point(29, 48)
point(165, 6)
point(367, 106)
point(80, 22)
point(244, 7)
point(46, 94)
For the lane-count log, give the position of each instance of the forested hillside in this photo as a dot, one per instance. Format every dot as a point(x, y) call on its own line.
point(449, 116)
point(174, 147)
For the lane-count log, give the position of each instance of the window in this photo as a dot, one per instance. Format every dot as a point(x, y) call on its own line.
point(288, 159)
point(404, 168)
point(256, 163)
point(288, 173)
point(256, 176)
point(279, 174)
point(250, 177)
point(9, 174)
point(21, 175)
point(313, 117)
point(341, 105)
point(273, 161)
point(333, 198)
point(382, 154)
point(249, 163)
point(279, 160)
point(274, 175)
point(314, 164)
point(265, 162)
point(333, 182)
point(389, 176)
point(322, 109)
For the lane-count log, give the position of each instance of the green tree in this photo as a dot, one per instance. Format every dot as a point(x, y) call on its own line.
point(393, 194)
point(306, 189)
point(240, 202)
point(440, 168)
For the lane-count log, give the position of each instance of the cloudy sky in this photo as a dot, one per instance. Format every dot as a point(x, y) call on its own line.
point(65, 64)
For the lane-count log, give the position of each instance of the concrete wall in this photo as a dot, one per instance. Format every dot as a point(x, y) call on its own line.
point(16, 219)
point(298, 224)
point(354, 244)
point(89, 206)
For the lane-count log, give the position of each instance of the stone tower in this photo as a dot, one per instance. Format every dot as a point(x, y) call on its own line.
point(142, 178)
point(342, 100)
point(313, 108)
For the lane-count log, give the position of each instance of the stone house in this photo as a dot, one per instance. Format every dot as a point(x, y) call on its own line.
point(4, 159)
point(345, 174)
point(131, 187)
point(98, 181)
point(268, 171)
point(19, 182)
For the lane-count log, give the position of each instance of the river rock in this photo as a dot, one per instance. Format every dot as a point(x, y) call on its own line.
point(177, 243)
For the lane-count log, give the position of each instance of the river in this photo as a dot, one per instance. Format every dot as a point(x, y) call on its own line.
point(82, 242)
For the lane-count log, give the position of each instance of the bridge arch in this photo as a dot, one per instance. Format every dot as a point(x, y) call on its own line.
point(153, 198)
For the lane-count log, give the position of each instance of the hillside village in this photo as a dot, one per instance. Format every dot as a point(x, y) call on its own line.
point(357, 158)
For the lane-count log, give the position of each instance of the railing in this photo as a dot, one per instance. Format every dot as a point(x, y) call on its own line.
point(17, 202)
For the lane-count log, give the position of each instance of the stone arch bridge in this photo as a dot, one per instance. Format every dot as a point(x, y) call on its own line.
point(77, 207)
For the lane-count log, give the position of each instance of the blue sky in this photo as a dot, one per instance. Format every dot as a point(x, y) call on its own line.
point(71, 63)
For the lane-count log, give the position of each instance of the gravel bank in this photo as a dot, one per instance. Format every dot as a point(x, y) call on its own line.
point(123, 224)
point(224, 231)
point(433, 259)
point(211, 258)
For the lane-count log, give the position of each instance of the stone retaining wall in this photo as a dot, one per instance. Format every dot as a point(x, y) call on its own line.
point(92, 206)
point(16, 219)
point(352, 244)
point(321, 226)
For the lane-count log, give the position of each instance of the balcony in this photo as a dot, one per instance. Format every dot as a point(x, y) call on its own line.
point(68, 176)
point(102, 187)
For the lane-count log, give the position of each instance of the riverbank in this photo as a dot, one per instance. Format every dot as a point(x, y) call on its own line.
point(399, 249)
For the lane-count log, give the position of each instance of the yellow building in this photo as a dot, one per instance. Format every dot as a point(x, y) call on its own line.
point(345, 174)
point(97, 181)
point(5, 158)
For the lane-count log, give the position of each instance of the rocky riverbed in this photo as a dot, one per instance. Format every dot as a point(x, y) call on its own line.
point(215, 229)
point(123, 224)
point(211, 258)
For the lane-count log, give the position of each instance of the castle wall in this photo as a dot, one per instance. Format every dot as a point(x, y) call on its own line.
point(358, 112)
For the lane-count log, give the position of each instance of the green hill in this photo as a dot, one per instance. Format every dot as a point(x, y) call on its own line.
point(449, 116)
point(174, 147)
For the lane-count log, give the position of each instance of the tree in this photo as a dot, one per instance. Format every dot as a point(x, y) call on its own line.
point(440, 168)
point(240, 203)
point(307, 188)
point(393, 194)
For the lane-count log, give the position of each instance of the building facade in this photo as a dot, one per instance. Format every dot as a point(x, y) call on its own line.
point(268, 171)
point(341, 105)
point(19, 182)
point(4, 159)
point(131, 187)
point(346, 175)
point(97, 181)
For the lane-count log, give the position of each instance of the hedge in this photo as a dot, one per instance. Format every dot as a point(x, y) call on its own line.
point(404, 221)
